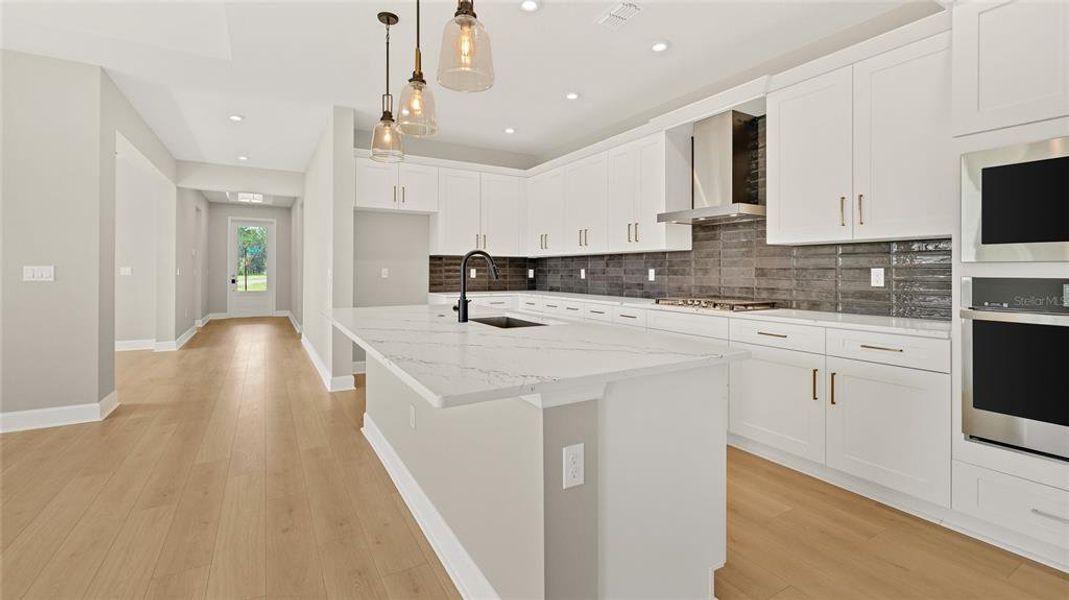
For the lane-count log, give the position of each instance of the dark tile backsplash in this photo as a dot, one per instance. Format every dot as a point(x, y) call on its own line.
point(733, 260)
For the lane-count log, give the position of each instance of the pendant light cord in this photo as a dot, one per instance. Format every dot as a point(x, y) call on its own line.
point(387, 60)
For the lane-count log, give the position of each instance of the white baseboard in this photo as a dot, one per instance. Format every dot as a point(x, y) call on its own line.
point(293, 321)
point(309, 349)
point(466, 575)
point(128, 345)
point(359, 366)
point(342, 383)
point(171, 346)
point(940, 515)
point(39, 418)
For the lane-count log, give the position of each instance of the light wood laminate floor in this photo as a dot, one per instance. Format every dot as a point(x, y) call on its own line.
point(227, 472)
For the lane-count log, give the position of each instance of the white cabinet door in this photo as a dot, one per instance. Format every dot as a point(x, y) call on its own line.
point(810, 160)
point(545, 213)
point(649, 234)
point(903, 173)
point(586, 206)
point(1011, 63)
point(376, 184)
point(501, 214)
point(890, 425)
point(777, 398)
point(457, 220)
point(623, 197)
point(418, 187)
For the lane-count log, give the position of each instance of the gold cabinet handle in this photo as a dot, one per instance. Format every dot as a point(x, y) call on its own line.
point(629, 233)
point(1048, 515)
point(883, 348)
point(815, 383)
point(547, 241)
point(770, 334)
point(833, 388)
point(597, 312)
point(476, 241)
point(860, 209)
point(484, 241)
point(842, 211)
point(586, 237)
point(636, 232)
point(395, 194)
point(628, 316)
point(580, 237)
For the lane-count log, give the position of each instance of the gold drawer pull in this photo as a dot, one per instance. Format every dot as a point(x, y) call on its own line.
point(775, 335)
point(815, 384)
point(570, 308)
point(597, 312)
point(1052, 516)
point(551, 306)
point(629, 316)
point(883, 348)
point(833, 388)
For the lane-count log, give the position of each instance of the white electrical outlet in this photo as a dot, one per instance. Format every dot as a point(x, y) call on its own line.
point(412, 416)
point(582, 273)
point(530, 273)
point(653, 275)
point(876, 276)
point(39, 273)
point(385, 273)
point(472, 273)
point(573, 466)
point(126, 271)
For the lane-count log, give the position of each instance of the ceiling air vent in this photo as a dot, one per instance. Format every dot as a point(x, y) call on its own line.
point(618, 15)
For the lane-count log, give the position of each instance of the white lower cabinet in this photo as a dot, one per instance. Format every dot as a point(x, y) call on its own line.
point(890, 425)
point(777, 398)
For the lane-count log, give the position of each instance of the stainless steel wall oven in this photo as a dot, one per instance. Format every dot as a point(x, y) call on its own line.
point(1015, 368)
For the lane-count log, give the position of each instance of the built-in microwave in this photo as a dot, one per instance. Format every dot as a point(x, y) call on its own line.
point(1015, 203)
point(1015, 362)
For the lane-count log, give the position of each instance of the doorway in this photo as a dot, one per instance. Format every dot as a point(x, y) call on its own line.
point(251, 261)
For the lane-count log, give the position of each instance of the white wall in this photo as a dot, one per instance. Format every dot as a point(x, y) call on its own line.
point(226, 178)
point(397, 242)
point(217, 280)
point(191, 257)
point(297, 258)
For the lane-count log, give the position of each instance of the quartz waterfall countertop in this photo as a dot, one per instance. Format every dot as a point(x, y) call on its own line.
point(451, 363)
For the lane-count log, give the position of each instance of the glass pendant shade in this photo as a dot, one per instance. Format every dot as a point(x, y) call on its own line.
point(417, 116)
point(465, 63)
point(386, 141)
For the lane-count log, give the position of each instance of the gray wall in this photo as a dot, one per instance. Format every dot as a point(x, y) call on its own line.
point(297, 259)
point(191, 256)
point(397, 242)
point(217, 280)
point(137, 184)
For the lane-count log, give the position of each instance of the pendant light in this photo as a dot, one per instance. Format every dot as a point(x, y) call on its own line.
point(417, 116)
point(465, 64)
point(386, 141)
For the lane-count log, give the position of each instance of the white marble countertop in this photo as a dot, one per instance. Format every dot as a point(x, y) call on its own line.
point(902, 326)
point(451, 363)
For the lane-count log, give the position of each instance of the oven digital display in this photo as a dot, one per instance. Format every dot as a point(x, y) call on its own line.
point(1019, 370)
point(1026, 202)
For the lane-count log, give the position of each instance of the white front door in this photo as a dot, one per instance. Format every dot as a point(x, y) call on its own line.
point(251, 255)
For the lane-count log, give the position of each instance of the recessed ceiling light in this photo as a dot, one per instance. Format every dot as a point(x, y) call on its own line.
point(237, 118)
point(510, 130)
point(659, 46)
point(572, 95)
point(243, 157)
point(529, 5)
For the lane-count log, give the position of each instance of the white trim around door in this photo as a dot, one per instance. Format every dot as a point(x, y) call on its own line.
point(258, 303)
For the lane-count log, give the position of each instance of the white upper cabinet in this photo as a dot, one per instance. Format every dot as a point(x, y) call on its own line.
point(396, 186)
point(545, 213)
point(903, 167)
point(501, 214)
point(863, 152)
point(639, 191)
point(810, 160)
point(585, 206)
point(624, 178)
point(456, 227)
point(418, 187)
point(1011, 63)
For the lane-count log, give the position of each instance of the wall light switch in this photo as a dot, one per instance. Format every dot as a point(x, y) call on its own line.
point(582, 273)
point(126, 270)
point(573, 466)
point(876, 276)
point(385, 273)
point(39, 273)
point(530, 273)
point(472, 273)
point(652, 275)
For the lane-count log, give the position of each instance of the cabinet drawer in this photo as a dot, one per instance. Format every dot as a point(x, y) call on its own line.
point(703, 325)
point(598, 312)
point(778, 335)
point(500, 302)
point(890, 349)
point(572, 309)
point(1030, 508)
point(552, 305)
point(529, 304)
point(622, 315)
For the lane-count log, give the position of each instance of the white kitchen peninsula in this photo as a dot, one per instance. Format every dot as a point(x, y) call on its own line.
point(472, 422)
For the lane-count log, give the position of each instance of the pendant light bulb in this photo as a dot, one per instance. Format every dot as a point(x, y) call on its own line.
point(465, 63)
point(386, 139)
point(418, 116)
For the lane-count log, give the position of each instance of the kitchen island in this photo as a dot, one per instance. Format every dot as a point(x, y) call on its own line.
point(565, 460)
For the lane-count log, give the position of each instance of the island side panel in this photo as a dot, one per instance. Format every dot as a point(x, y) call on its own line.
point(480, 465)
point(662, 484)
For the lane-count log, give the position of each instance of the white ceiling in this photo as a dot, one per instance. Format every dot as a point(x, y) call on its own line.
point(269, 200)
point(187, 65)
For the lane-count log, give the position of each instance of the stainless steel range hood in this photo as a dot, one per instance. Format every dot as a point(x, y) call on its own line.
point(721, 159)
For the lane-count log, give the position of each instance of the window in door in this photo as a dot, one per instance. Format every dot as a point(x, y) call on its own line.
point(252, 258)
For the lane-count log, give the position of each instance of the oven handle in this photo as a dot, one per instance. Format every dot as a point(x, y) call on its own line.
point(1014, 317)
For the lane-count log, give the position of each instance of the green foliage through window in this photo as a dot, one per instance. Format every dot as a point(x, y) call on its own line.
point(252, 259)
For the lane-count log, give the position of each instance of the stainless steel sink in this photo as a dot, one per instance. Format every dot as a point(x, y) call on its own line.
point(506, 322)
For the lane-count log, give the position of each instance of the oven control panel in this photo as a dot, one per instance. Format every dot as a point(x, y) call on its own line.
point(1019, 294)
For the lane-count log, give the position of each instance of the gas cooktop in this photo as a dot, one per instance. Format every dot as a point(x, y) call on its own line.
point(728, 304)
